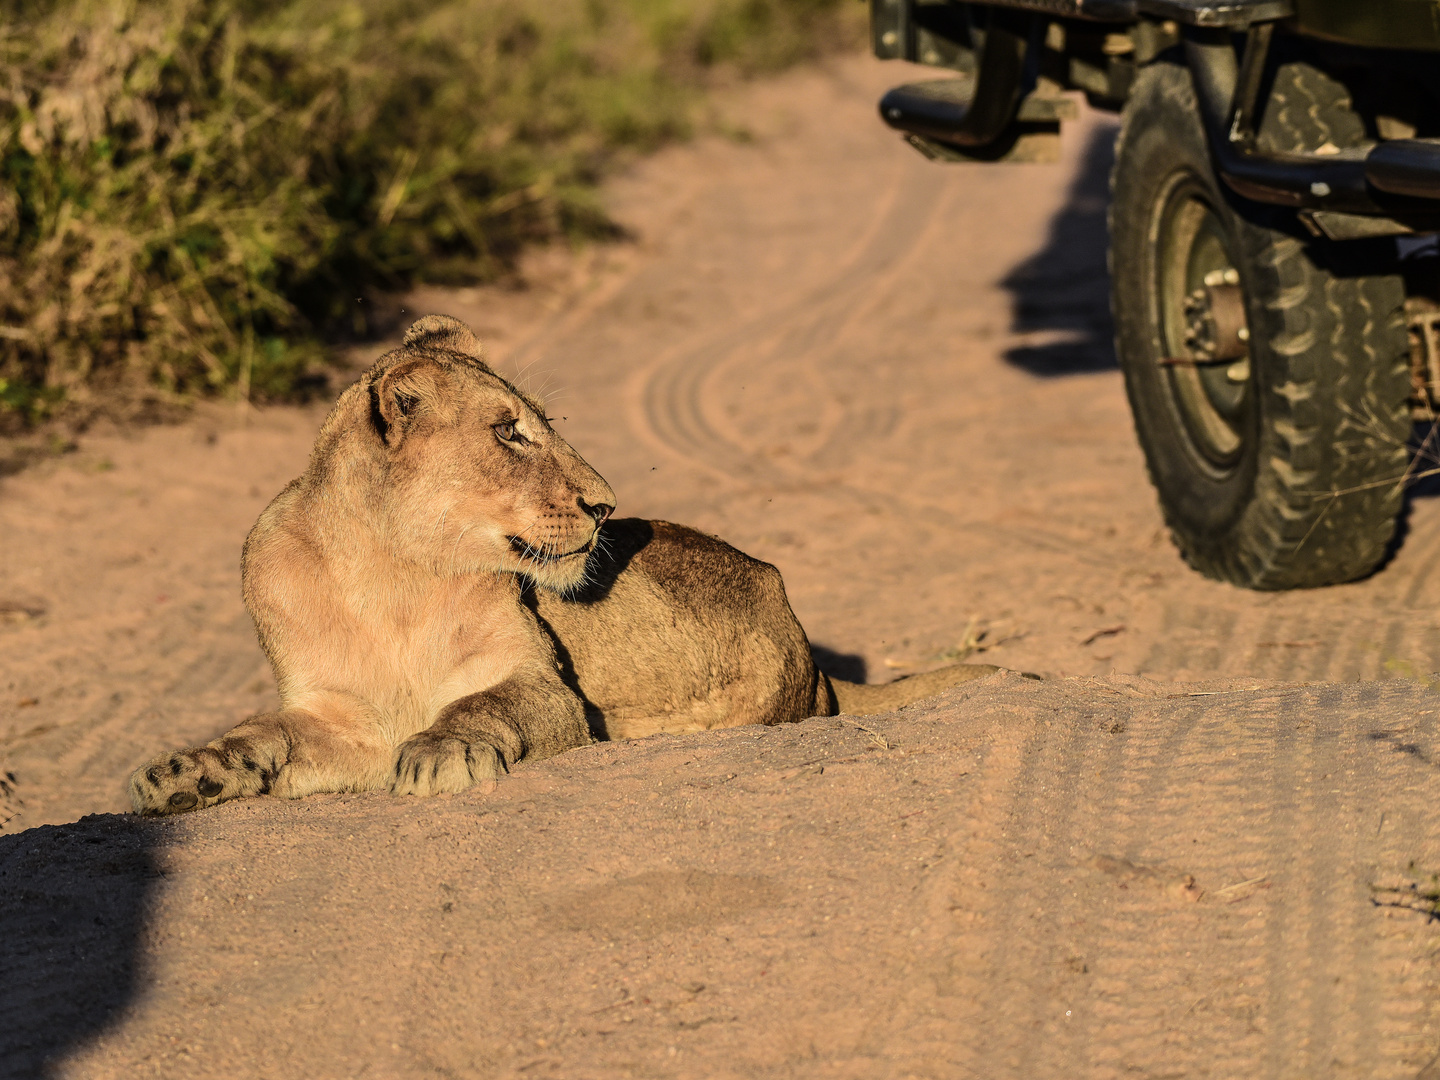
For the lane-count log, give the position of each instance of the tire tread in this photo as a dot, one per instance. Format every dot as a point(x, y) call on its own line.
point(1334, 414)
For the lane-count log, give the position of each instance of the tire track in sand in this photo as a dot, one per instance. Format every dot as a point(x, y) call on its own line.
point(673, 397)
point(1065, 939)
point(76, 765)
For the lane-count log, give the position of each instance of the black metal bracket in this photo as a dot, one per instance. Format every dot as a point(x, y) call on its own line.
point(1393, 179)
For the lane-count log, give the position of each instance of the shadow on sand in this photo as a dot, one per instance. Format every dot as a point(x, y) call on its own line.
point(1061, 294)
point(839, 665)
point(73, 906)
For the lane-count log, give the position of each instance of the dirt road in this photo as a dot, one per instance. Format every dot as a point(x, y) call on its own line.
point(893, 380)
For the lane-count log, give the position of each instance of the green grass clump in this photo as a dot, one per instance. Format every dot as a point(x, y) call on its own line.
point(193, 193)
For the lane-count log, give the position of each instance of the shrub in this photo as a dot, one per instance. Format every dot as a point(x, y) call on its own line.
point(192, 192)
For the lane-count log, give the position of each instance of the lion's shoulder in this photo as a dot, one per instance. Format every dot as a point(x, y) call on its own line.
point(688, 562)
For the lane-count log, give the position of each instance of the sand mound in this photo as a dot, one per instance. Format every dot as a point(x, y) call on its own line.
point(1096, 877)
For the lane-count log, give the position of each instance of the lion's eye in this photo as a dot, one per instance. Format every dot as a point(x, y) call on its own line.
point(506, 432)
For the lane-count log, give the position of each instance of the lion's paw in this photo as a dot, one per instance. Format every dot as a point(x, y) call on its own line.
point(184, 780)
point(176, 782)
point(427, 764)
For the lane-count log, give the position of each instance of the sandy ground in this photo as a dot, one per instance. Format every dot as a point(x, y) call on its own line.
point(892, 380)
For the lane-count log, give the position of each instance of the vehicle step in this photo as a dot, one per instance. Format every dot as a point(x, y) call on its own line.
point(937, 108)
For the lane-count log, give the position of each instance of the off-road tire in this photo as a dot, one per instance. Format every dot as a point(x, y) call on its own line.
point(1313, 493)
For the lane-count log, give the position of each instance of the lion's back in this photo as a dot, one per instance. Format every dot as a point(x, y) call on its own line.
point(692, 565)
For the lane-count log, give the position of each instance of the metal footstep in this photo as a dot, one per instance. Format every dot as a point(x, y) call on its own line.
point(937, 115)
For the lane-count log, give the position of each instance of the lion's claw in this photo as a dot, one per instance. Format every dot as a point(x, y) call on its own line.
point(428, 764)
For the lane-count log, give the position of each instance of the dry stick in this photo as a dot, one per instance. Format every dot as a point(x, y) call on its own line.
point(875, 736)
point(1241, 884)
point(1108, 631)
point(1369, 486)
point(1318, 518)
point(1424, 445)
point(1406, 477)
point(1409, 476)
point(1193, 1004)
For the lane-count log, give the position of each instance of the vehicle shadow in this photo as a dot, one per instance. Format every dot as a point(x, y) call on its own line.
point(73, 906)
point(1061, 294)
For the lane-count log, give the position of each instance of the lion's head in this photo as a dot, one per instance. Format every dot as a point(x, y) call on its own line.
point(465, 473)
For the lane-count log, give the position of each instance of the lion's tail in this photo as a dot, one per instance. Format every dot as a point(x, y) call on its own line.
point(835, 696)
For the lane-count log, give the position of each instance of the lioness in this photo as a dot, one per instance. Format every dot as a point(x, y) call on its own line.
point(444, 592)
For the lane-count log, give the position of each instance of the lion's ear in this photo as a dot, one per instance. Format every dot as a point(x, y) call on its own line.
point(411, 389)
point(443, 332)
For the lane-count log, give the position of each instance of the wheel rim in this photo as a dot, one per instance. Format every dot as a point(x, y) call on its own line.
point(1203, 334)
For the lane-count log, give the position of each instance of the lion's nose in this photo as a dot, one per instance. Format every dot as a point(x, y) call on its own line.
point(600, 511)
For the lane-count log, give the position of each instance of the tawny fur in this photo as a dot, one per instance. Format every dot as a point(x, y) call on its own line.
point(443, 593)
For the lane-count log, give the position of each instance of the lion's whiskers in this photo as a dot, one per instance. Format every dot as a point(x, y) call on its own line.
point(522, 373)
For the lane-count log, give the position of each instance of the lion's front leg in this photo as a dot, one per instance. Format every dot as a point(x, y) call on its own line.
point(290, 754)
point(481, 735)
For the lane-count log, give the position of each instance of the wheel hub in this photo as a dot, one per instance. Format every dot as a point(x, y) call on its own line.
point(1205, 337)
point(1215, 328)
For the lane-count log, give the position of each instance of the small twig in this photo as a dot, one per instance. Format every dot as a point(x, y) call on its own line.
point(1241, 884)
point(1316, 523)
point(1217, 693)
point(612, 1005)
point(875, 736)
point(1423, 475)
point(1193, 1004)
point(1424, 450)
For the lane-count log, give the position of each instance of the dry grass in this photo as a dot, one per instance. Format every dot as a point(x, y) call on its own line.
point(196, 192)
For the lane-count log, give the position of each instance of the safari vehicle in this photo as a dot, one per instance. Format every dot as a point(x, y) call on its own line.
point(1275, 294)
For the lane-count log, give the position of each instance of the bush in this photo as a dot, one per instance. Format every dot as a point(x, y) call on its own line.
point(193, 192)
